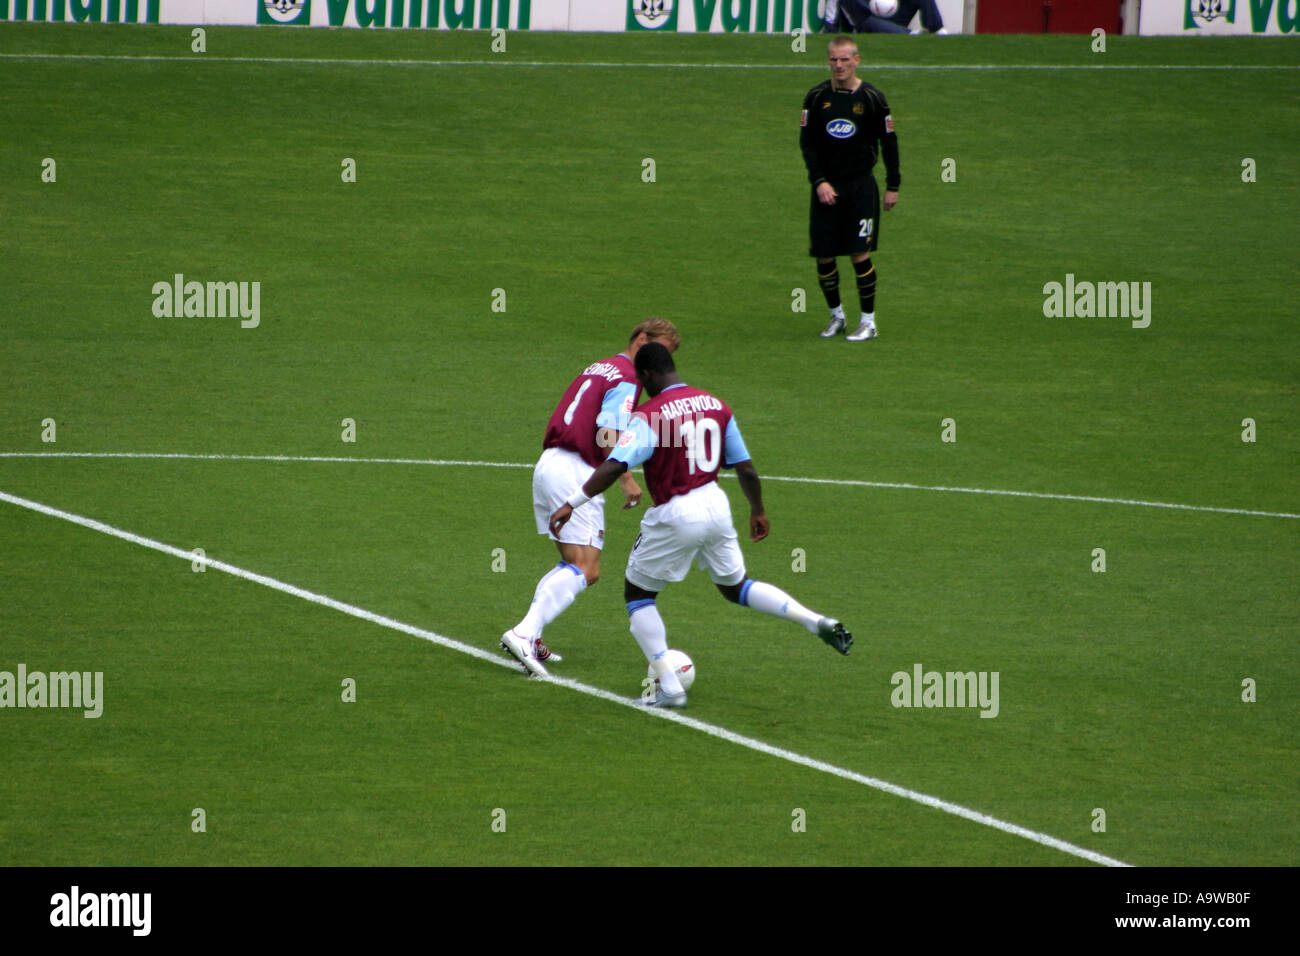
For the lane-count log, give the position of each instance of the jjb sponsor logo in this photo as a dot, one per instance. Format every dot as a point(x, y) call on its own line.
point(296, 12)
point(841, 128)
point(652, 15)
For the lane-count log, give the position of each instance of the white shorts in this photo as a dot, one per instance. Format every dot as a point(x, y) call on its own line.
point(696, 527)
point(558, 474)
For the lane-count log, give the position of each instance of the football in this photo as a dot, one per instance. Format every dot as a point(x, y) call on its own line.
point(681, 663)
point(883, 8)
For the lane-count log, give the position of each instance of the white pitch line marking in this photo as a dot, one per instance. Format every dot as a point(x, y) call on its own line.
point(850, 482)
point(186, 456)
point(713, 730)
point(332, 61)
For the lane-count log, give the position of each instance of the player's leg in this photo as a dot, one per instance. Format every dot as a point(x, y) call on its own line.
point(557, 475)
point(828, 277)
point(822, 246)
point(875, 24)
point(647, 627)
point(770, 599)
point(831, 16)
point(579, 568)
point(584, 557)
point(721, 557)
point(866, 218)
point(931, 18)
point(902, 17)
point(864, 270)
point(662, 553)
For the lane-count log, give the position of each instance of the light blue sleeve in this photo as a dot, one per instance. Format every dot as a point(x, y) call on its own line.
point(637, 444)
point(734, 445)
point(616, 407)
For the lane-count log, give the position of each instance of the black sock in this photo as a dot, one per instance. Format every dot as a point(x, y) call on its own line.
point(866, 285)
point(830, 283)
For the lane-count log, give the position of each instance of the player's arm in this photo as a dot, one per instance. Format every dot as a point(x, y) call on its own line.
point(635, 447)
point(631, 490)
point(604, 476)
point(736, 455)
point(808, 146)
point(889, 153)
point(752, 487)
point(611, 422)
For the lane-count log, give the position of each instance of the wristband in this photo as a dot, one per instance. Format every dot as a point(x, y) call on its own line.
point(577, 500)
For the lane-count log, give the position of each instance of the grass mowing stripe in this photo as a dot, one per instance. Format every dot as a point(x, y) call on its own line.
point(330, 61)
point(713, 730)
point(852, 482)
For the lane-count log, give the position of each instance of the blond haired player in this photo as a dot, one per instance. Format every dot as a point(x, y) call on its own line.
point(583, 429)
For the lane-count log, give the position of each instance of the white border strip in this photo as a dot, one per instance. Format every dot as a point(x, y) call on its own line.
point(849, 482)
point(875, 67)
point(711, 729)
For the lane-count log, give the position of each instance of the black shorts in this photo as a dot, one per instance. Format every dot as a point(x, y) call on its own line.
point(850, 226)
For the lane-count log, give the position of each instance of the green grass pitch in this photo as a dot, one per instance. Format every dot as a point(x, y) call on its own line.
point(1120, 691)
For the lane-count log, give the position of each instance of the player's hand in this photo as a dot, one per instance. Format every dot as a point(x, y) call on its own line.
point(631, 490)
point(758, 527)
point(891, 198)
point(561, 518)
point(826, 193)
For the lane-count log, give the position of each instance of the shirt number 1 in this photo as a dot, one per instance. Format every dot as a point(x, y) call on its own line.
point(573, 406)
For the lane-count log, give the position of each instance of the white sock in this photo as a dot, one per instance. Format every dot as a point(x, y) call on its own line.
point(555, 591)
point(651, 636)
point(838, 311)
point(869, 318)
point(531, 627)
point(770, 599)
